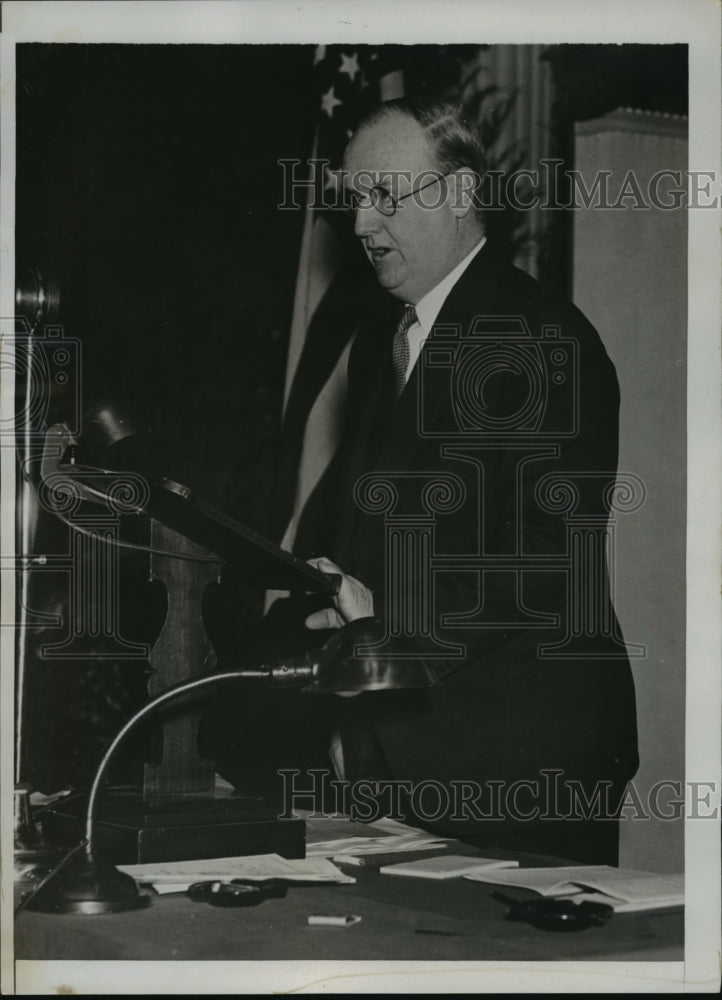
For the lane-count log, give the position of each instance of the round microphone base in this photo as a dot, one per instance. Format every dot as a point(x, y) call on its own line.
point(89, 885)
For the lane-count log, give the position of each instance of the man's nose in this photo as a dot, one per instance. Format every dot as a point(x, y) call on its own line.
point(368, 220)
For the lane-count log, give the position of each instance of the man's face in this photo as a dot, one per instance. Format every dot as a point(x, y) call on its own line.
point(412, 250)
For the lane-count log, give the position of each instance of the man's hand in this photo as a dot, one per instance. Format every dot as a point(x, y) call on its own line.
point(354, 600)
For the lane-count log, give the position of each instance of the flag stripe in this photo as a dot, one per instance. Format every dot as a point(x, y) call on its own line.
point(334, 288)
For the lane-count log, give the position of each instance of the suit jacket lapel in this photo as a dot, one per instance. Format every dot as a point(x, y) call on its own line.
point(472, 296)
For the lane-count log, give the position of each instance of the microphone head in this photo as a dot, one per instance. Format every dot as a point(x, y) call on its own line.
point(362, 657)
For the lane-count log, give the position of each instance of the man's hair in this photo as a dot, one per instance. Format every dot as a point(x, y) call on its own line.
point(454, 140)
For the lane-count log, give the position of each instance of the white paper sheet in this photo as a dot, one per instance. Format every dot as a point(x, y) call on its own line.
point(256, 867)
point(622, 884)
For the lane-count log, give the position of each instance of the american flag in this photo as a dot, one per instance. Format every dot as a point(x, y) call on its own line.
point(333, 281)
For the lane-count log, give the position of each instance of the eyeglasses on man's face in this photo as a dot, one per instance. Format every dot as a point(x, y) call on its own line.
point(383, 201)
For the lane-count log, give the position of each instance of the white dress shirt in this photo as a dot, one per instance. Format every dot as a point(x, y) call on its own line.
point(428, 308)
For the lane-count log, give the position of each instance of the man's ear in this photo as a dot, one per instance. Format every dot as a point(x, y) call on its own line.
point(462, 185)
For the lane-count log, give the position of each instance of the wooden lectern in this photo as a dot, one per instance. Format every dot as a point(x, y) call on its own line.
point(178, 814)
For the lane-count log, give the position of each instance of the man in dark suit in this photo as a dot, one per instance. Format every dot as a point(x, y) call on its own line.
point(467, 507)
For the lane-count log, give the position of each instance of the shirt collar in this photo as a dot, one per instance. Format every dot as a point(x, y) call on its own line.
point(429, 307)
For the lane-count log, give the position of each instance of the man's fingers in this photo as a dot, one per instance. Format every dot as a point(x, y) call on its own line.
point(324, 564)
point(353, 600)
point(325, 618)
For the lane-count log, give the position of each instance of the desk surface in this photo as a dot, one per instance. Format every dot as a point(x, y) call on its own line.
point(466, 924)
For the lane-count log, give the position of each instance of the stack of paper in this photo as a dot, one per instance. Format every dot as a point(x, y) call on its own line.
point(622, 889)
point(445, 866)
point(176, 876)
point(330, 836)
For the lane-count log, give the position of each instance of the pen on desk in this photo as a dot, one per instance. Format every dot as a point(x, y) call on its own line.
point(348, 859)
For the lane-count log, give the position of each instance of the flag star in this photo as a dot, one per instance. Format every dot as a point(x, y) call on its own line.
point(329, 102)
point(349, 64)
point(320, 54)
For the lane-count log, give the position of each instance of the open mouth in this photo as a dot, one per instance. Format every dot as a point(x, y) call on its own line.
point(378, 253)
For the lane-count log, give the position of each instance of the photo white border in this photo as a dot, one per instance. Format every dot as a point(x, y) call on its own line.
point(696, 22)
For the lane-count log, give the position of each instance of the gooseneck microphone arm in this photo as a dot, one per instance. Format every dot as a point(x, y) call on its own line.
point(334, 667)
point(300, 672)
point(85, 882)
point(347, 663)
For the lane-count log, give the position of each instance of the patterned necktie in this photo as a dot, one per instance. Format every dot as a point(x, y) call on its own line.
point(400, 353)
